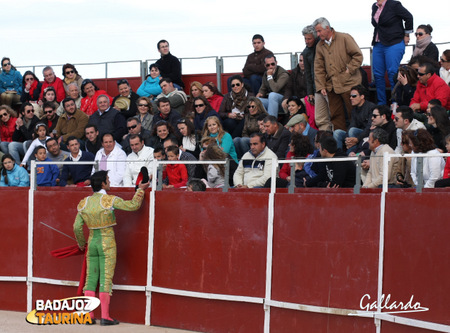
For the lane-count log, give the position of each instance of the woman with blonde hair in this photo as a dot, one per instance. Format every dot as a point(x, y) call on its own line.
point(195, 90)
point(213, 128)
point(145, 112)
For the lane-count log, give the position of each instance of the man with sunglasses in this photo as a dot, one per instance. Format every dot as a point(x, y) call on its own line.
point(273, 85)
point(134, 127)
point(430, 86)
point(404, 121)
point(23, 134)
point(50, 117)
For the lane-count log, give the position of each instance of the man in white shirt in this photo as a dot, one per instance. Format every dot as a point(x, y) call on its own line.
point(111, 158)
point(141, 156)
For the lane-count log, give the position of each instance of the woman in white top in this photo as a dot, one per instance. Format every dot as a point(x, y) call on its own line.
point(433, 167)
point(190, 141)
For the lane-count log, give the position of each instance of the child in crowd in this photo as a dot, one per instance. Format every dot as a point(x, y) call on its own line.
point(12, 174)
point(46, 175)
point(445, 181)
point(176, 174)
point(158, 154)
point(40, 135)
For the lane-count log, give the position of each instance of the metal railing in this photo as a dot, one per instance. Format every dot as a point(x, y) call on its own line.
point(157, 168)
point(290, 63)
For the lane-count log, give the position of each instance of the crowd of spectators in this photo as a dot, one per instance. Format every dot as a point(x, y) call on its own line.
point(321, 108)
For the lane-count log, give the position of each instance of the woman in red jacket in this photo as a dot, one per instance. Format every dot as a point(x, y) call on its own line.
point(90, 93)
point(8, 119)
point(213, 95)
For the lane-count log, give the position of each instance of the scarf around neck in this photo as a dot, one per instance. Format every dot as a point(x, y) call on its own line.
point(421, 45)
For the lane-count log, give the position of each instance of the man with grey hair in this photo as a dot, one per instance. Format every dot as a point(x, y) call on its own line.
point(378, 144)
point(72, 91)
point(337, 69)
point(108, 119)
point(320, 102)
point(299, 124)
point(50, 80)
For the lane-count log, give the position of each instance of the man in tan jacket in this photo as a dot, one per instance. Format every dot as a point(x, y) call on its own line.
point(337, 69)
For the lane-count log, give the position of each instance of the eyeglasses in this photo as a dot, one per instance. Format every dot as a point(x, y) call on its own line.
point(143, 105)
point(4, 114)
point(48, 112)
point(132, 127)
point(199, 105)
point(69, 72)
point(6, 64)
point(235, 85)
point(122, 81)
point(29, 79)
point(353, 96)
point(442, 60)
point(421, 74)
point(419, 34)
point(28, 111)
point(271, 64)
point(251, 106)
point(375, 115)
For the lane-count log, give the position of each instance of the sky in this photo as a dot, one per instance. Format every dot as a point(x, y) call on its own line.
point(52, 32)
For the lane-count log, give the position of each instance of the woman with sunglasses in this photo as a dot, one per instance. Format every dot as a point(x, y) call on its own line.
point(31, 90)
point(424, 46)
point(234, 106)
point(71, 75)
point(10, 84)
point(203, 110)
point(190, 140)
point(8, 119)
point(145, 113)
point(90, 93)
point(256, 111)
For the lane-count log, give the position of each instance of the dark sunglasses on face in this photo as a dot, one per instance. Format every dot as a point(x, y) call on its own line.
point(375, 115)
point(29, 79)
point(235, 85)
point(271, 64)
point(146, 105)
point(4, 114)
point(199, 105)
point(419, 34)
point(132, 127)
point(353, 96)
point(442, 60)
point(48, 112)
point(421, 74)
point(6, 64)
point(69, 72)
point(28, 111)
point(251, 106)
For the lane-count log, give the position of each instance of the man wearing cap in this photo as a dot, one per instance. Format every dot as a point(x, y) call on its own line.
point(299, 124)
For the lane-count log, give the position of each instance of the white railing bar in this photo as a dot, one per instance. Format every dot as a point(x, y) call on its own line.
point(212, 296)
point(13, 278)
